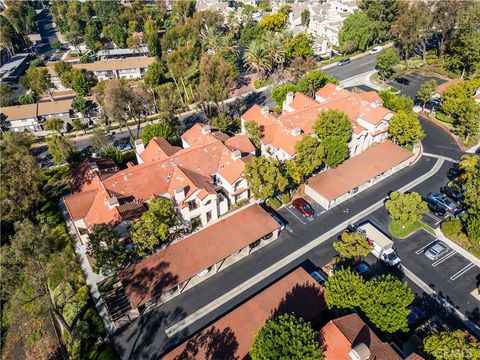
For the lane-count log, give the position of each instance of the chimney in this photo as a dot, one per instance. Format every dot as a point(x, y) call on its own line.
point(289, 98)
point(296, 131)
point(179, 193)
point(206, 129)
point(139, 146)
point(236, 155)
point(112, 202)
point(360, 352)
point(265, 110)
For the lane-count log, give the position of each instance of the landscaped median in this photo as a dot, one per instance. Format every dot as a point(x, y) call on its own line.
point(403, 231)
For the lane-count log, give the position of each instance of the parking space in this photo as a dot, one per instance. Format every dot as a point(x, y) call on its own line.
point(294, 218)
point(433, 220)
point(414, 82)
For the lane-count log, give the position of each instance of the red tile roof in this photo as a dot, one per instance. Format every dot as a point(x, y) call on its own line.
point(79, 204)
point(356, 171)
point(302, 102)
point(158, 149)
point(230, 337)
point(240, 142)
point(340, 334)
point(441, 88)
point(201, 134)
point(178, 262)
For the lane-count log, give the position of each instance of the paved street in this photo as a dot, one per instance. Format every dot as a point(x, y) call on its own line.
point(356, 67)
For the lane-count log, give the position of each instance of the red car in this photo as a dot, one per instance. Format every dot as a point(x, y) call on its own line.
point(304, 208)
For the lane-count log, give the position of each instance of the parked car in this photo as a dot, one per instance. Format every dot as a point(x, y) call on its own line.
point(376, 50)
point(124, 146)
point(344, 62)
point(436, 209)
point(453, 173)
point(304, 208)
point(319, 276)
point(362, 268)
point(444, 201)
point(278, 220)
point(416, 316)
point(437, 250)
point(452, 193)
point(403, 81)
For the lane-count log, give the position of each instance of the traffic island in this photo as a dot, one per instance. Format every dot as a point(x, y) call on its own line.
point(401, 232)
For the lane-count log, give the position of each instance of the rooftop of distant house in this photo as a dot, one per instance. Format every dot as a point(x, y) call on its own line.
point(442, 87)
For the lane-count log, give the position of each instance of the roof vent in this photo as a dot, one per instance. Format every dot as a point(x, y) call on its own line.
point(206, 129)
point(360, 352)
point(296, 131)
point(164, 165)
point(236, 155)
point(125, 177)
point(265, 110)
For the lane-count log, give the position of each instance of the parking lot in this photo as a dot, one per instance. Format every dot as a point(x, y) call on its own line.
point(416, 80)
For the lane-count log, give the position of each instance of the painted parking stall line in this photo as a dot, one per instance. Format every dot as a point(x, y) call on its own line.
point(462, 271)
point(422, 249)
point(437, 220)
point(293, 213)
point(446, 257)
point(289, 228)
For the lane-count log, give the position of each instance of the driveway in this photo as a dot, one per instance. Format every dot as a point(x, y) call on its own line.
point(416, 80)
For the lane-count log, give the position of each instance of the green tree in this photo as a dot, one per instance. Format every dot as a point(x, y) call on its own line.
point(385, 302)
point(60, 148)
point(309, 154)
point(55, 124)
point(38, 80)
point(256, 57)
point(226, 124)
point(286, 337)
point(21, 177)
point(333, 123)
point(82, 105)
point(405, 129)
point(27, 99)
point(299, 46)
point(426, 91)
point(381, 14)
point(81, 83)
point(305, 17)
point(356, 30)
point(62, 67)
point(387, 59)
point(470, 182)
point(396, 103)
point(119, 36)
point(454, 345)
point(36, 63)
point(293, 172)
point(280, 92)
point(154, 225)
point(274, 22)
point(406, 208)
point(336, 150)
point(92, 37)
point(161, 129)
point(352, 245)
point(6, 93)
point(101, 143)
point(405, 28)
point(155, 74)
point(473, 227)
point(314, 80)
point(253, 132)
point(264, 177)
point(343, 290)
point(107, 248)
point(55, 44)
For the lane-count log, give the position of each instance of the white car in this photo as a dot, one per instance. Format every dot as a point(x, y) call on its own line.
point(376, 50)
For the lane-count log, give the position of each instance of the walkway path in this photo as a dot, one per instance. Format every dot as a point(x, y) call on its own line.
point(187, 321)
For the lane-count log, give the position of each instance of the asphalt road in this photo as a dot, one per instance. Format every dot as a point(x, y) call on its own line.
point(356, 67)
point(416, 80)
point(439, 140)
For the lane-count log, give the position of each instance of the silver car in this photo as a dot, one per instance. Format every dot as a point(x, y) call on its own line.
point(442, 199)
point(437, 250)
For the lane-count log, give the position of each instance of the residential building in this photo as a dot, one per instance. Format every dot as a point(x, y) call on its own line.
point(35, 39)
point(297, 293)
point(122, 53)
point(14, 67)
point(31, 117)
point(202, 181)
point(333, 186)
point(128, 68)
point(185, 263)
point(369, 119)
point(349, 338)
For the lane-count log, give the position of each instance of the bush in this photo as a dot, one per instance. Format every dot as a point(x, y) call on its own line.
point(285, 198)
point(257, 84)
point(414, 63)
point(274, 203)
point(452, 228)
point(442, 117)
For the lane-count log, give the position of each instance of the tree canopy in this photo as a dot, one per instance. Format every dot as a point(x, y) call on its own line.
point(455, 345)
point(314, 80)
point(352, 245)
point(161, 129)
point(333, 123)
point(107, 248)
point(309, 154)
point(405, 129)
point(264, 177)
point(286, 337)
point(387, 59)
point(344, 289)
point(356, 32)
point(406, 208)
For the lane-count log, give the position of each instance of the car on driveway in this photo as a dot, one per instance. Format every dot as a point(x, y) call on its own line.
point(402, 81)
point(362, 268)
point(344, 62)
point(452, 193)
point(437, 250)
point(304, 208)
point(436, 209)
point(375, 50)
point(444, 201)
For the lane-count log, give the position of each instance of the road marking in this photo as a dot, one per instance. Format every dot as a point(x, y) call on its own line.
point(289, 228)
point(419, 251)
point(446, 257)
point(236, 291)
point(433, 217)
point(291, 212)
point(462, 271)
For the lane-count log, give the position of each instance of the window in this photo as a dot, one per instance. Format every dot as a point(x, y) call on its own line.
point(192, 205)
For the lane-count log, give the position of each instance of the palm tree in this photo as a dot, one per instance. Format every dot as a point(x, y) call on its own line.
point(256, 57)
point(275, 51)
point(217, 42)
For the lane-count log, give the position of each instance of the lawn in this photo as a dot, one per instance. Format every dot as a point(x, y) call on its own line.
point(396, 229)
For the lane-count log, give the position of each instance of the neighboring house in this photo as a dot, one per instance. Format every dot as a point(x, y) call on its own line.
point(122, 53)
point(349, 338)
point(333, 186)
point(129, 68)
point(32, 117)
point(296, 292)
point(187, 262)
point(14, 67)
point(35, 39)
point(369, 119)
point(442, 87)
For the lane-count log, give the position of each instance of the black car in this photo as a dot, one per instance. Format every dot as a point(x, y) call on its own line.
point(436, 208)
point(402, 80)
point(453, 173)
point(452, 193)
point(344, 62)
